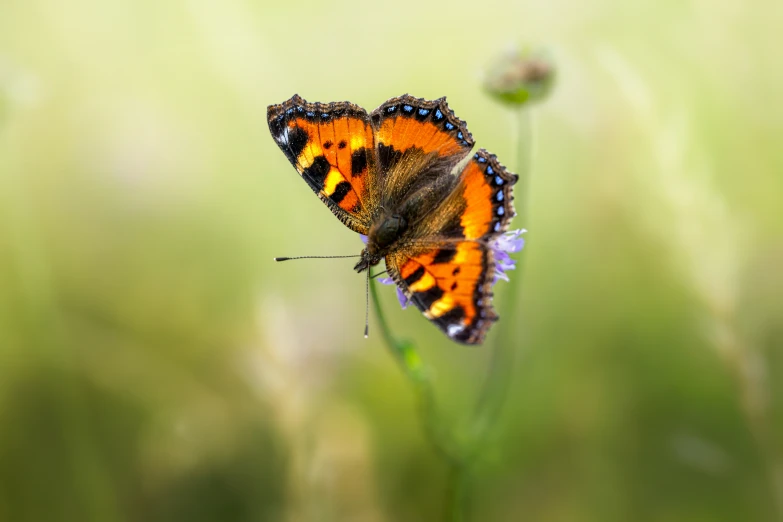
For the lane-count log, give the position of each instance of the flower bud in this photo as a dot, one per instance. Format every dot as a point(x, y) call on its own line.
point(520, 76)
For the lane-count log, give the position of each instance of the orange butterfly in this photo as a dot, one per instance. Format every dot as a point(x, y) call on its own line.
point(388, 176)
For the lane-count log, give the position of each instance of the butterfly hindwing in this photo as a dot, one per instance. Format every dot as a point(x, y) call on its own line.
point(448, 269)
point(332, 147)
point(485, 186)
point(446, 282)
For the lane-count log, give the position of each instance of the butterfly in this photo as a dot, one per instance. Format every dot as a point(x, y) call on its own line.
point(398, 175)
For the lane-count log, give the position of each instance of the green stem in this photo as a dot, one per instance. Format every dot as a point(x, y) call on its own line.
point(524, 123)
point(455, 493)
point(404, 351)
point(407, 356)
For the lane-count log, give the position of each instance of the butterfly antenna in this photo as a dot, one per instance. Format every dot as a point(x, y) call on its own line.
point(367, 306)
point(313, 257)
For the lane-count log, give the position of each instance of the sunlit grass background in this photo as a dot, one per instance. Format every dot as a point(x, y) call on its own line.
point(156, 365)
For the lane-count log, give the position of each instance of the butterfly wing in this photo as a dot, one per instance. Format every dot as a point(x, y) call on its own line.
point(417, 142)
point(447, 268)
point(331, 146)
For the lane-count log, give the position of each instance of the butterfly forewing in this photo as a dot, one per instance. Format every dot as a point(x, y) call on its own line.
point(417, 141)
point(332, 147)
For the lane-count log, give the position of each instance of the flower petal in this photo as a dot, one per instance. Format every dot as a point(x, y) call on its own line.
point(510, 241)
point(507, 243)
point(402, 298)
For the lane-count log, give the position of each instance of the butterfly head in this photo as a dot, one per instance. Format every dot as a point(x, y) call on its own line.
point(381, 239)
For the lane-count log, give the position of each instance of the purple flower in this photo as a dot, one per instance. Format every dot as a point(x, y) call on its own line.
point(506, 244)
point(401, 297)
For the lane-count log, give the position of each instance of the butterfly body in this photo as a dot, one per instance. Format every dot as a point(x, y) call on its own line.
point(398, 176)
point(381, 239)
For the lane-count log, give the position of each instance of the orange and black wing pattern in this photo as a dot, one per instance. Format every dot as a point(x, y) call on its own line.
point(448, 269)
point(416, 142)
point(399, 161)
point(332, 146)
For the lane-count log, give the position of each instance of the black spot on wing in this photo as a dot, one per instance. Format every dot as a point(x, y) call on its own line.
point(415, 276)
point(316, 173)
point(444, 255)
point(342, 144)
point(358, 161)
point(276, 126)
point(388, 156)
point(327, 144)
point(294, 143)
point(425, 298)
point(291, 140)
point(452, 317)
point(341, 190)
point(465, 335)
point(453, 228)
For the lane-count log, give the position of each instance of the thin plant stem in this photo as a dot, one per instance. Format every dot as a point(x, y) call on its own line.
point(525, 150)
point(408, 358)
point(454, 509)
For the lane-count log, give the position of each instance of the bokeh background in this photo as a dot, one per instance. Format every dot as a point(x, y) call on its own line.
point(156, 365)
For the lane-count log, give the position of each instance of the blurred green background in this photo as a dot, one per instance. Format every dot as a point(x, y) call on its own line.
point(156, 365)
